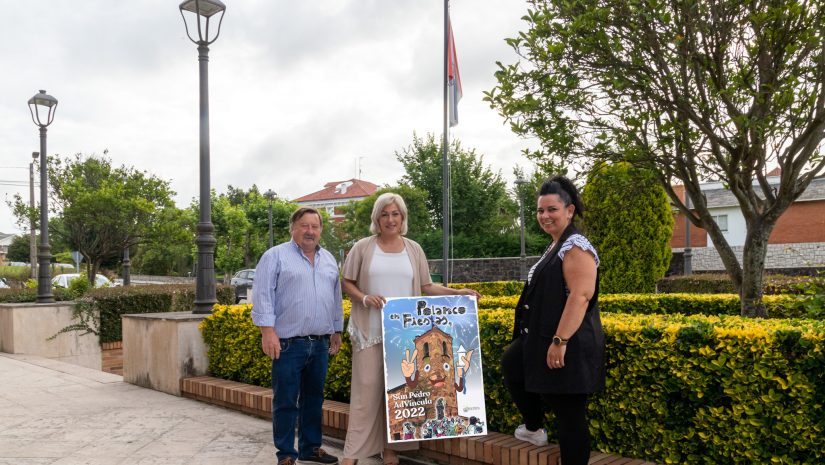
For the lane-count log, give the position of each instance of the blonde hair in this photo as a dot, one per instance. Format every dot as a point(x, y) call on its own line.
point(381, 203)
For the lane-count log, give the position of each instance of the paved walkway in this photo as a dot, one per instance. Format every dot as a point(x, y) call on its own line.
point(56, 413)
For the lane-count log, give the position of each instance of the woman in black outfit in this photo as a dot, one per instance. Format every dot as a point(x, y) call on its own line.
point(557, 354)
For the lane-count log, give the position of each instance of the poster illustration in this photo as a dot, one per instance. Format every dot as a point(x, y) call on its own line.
point(432, 368)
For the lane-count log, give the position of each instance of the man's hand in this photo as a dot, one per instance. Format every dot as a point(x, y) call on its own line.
point(334, 343)
point(270, 343)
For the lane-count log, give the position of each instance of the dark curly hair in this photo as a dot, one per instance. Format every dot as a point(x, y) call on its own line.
point(566, 191)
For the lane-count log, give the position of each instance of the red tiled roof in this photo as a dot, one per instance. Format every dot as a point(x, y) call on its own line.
point(357, 188)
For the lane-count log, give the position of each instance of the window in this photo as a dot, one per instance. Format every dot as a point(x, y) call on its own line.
point(722, 222)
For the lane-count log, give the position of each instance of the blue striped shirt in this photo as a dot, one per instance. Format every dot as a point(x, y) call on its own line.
point(295, 297)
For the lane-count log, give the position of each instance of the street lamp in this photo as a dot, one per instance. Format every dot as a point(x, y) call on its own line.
point(270, 194)
point(32, 229)
point(202, 12)
point(520, 182)
point(42, 108)
point(127, 267)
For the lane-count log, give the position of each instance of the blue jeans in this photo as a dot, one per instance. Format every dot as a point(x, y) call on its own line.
point(298, 378)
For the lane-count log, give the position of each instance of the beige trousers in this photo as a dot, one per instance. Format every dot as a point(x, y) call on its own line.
point(367, 429)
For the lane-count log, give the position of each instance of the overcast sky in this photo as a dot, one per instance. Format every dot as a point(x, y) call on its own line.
point(299, 90)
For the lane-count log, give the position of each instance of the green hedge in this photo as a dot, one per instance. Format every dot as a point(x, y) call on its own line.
point(16, 296)
point(718, 283)
point(493, 288)
point(779, 306)
point(112, 302)
point(680, 389)
point(711, 390)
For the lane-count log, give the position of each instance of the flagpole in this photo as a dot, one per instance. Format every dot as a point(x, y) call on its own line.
point(445, 159)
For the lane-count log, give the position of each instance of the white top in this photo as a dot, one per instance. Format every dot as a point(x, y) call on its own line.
point(390, 275)
point(575, 239)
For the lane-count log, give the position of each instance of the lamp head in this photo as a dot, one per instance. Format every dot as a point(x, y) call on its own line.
point(270, 194)
point(42, 107)
point(35, 155)
point(202, 11)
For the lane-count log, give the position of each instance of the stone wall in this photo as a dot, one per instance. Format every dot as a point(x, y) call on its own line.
point(786, 257)
point(782, 258)
point(28, 328)
point(473, 270)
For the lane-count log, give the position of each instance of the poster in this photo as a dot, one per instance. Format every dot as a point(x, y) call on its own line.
point(432, 368)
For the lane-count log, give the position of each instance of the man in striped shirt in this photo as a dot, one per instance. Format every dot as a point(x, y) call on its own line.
point(297, 305)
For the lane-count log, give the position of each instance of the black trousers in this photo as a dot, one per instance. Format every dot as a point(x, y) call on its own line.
point(569, 409)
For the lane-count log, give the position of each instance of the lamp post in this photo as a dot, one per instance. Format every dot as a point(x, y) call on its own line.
point(202, 12)
point(42, 108)
point(127, 267)
point(32, 233)
point(520, 182)
point(270, 194)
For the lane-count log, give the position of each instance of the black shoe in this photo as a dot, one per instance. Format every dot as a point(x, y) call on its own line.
point(319, 456)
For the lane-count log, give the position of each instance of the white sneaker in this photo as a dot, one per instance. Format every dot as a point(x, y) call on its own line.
point(538, 437)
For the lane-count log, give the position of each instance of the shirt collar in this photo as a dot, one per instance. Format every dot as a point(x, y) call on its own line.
point(299, 249)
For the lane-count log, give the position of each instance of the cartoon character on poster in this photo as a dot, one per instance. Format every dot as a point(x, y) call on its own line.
point(432, 368)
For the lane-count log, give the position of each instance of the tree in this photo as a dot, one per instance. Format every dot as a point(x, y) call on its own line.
point(241, 220)
point(480, 204)
point(629, 221)
point(18, 249)
point(695, 91)
point(102, 209)
point(168, 249)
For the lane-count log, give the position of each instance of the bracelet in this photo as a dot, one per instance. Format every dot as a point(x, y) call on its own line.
point(364, 299)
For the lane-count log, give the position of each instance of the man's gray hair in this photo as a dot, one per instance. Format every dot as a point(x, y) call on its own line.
point(380, 203)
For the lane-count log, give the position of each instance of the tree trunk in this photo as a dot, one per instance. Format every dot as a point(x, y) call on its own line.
point(753, 264)
point(93, 267)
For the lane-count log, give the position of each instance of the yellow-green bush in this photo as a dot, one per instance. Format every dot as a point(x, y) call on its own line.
point(711, 390)
point(779, 306)
point(235, 351)
point(680, 389)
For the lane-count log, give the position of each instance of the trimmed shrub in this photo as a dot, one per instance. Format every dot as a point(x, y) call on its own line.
point(680, 389)
point(113, 302)
point(629, 221)
point(235, 351)
point(778, 306)
point(715, 283)
point(712, 390)
point(24, 295)
point(493, 288)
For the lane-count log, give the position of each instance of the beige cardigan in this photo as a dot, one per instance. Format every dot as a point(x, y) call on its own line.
point(356, 268)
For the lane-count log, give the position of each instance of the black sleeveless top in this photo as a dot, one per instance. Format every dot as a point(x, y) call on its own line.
point(537, 317)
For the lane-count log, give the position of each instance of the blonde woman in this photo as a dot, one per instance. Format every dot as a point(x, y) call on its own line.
point(386, 264)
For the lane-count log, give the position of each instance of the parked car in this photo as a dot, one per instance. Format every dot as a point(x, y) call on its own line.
point(64, 266)
point(242, 284)
point(63, 280)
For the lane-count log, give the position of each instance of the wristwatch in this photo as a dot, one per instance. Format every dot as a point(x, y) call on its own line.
point(559, 341)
